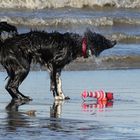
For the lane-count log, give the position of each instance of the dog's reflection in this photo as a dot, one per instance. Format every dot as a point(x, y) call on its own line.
point(56, 109)
point(13, 107)
point(55, 113)
point(15, 118)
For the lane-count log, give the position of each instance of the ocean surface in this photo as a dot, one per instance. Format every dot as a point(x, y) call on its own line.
point(74, 119)
point(116, 19)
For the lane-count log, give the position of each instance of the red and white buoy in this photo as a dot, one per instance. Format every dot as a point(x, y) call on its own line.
point(100, 95)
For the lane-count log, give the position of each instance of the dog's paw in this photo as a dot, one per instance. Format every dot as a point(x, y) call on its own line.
point(26, 98)
point(62, 98)
point(23, 100)
point(59, 98)
point(67, 98)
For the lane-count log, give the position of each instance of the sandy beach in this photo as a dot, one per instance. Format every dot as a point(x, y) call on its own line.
point(75, 119)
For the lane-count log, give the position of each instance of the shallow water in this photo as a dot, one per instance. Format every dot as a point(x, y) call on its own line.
point(74, 119)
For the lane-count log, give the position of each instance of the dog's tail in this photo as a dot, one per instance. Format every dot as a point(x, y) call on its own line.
point(9, 29)
point(6, 31)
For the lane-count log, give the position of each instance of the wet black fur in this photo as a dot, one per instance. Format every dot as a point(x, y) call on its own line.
point(54, 50)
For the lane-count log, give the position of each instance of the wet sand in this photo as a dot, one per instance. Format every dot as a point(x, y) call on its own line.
point(74, 119)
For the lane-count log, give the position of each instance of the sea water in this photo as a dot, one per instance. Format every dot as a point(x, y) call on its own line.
point(76, 119)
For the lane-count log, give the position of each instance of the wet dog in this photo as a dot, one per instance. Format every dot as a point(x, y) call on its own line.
point(53, 50)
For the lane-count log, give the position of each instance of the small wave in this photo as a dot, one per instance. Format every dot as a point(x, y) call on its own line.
point(59, 20)
point(42, 4)
point(68, 21)
point(126, 20)
point(118, 62)
point(126, 38)
point(101, 21)
point(113, 58)
point(105, 62)
point(95, 21)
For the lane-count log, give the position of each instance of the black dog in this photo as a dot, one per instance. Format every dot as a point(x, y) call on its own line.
point(54, 50)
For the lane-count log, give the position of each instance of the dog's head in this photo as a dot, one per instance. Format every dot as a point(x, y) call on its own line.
point(97, 43)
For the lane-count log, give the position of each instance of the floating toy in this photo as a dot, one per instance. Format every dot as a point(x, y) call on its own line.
point(101, 95)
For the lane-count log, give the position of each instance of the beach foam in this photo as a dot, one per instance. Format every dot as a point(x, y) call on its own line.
point(59, 20)
point(41, 4)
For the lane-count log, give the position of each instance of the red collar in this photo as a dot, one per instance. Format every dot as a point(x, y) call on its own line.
point(84, 47)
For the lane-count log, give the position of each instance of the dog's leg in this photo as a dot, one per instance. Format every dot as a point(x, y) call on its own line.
point(55, 83)
point(52, 83)
point(9, 84)
point(60, 95)
point(56, 86)
point(8, 88)
point(52, 79)
point(19, 78)
point(15, 81)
